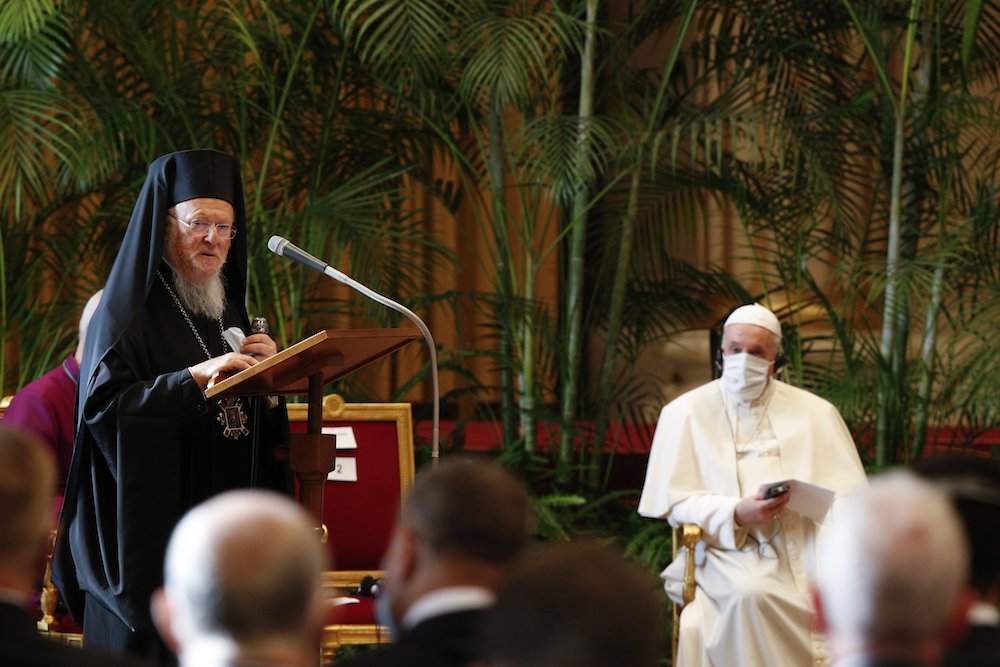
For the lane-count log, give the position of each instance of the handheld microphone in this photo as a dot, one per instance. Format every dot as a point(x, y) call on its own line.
point(285, 248)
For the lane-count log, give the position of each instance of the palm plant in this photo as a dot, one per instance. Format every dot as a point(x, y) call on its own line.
point(835, 130)
point(883, 115)
point(118, 84)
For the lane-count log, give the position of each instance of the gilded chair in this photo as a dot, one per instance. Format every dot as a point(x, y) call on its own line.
point(687, 536)
point(359, 515)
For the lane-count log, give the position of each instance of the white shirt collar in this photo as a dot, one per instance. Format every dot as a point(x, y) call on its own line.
point(446, 601)
point(983, 613)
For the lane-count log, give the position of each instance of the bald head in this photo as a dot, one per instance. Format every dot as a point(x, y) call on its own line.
point(244, 565)
point(27, 481)
point(88, 313)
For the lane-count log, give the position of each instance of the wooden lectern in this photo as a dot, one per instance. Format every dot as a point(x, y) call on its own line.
point(305, 368)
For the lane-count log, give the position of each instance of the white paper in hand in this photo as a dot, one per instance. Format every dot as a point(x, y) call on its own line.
point(808, 499)
point(234, 336)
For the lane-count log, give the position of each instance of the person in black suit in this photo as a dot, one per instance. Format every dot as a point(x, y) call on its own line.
point(577, 604)
point(243, 584)
point(891, 578)
point(27, 484)
point(973, 484)
point(460, 528)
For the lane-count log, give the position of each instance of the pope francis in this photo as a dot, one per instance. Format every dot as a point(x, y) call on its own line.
point(715, 450)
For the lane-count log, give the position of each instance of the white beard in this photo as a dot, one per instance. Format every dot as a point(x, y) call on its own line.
point(207, 300)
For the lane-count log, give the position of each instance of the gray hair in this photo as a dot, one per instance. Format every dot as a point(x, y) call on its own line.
point(893, 563)
point(245, 565)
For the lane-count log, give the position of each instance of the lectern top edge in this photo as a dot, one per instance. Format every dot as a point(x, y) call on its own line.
point(288, 371)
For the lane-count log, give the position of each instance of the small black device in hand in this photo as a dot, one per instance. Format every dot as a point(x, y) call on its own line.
point(775, 490)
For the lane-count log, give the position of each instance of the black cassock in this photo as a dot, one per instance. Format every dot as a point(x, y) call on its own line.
point(149, 446)
point(154, 449)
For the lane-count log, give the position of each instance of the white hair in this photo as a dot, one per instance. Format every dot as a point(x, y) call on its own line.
point(893, 564)
point(207, 299)
point(246, 566)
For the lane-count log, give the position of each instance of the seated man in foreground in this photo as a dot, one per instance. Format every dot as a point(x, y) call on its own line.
point(461, 527)
point(243, 584)
point(973, 485)
point(714, 449)
point(576, 605)
point(891, 576)
point(27, 482)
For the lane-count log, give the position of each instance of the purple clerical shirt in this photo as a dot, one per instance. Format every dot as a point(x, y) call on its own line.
point(46, 407)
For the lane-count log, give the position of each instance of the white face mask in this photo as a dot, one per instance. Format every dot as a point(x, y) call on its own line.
point(744, 375)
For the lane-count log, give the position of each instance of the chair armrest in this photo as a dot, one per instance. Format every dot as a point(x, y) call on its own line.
point(690, 536)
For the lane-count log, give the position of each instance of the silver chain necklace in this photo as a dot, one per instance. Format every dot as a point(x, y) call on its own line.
point(231, 415)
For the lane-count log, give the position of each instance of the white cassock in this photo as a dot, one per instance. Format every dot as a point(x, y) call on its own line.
point(752, 605)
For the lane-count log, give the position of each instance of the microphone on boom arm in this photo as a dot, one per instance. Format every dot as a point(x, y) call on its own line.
point(285, 248)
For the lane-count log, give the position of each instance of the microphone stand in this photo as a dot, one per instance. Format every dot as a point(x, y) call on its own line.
point(398, 307)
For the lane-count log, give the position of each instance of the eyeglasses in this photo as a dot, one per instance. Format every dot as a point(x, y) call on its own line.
point(202, 228)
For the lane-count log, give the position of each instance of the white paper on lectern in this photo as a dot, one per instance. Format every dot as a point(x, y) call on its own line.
point(810, 500)
point(345, 436)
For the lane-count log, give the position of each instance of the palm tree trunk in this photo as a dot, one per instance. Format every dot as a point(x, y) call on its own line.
point(575, 255)
point(494, 125)
point(891, 321)
point(605, 383)
point(527, 375)
point(921, 417)
point(616, 307)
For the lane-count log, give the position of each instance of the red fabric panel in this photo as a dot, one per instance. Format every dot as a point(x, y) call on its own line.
point(360, 515)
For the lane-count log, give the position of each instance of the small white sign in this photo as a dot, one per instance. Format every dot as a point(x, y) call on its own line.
point(345, 469)
point(345, 436)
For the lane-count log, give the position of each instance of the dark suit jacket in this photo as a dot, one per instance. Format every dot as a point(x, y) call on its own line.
point(22, 646)
point(449, 640)
point(979, 648)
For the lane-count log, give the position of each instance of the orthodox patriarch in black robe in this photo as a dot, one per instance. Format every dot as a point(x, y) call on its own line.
point(149, 446)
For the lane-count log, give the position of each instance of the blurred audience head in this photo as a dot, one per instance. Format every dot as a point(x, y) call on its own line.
point(27, 482)
point(892, 571)
point(243, 582)
point(973, 484)
point(462, 524)
point(576, 605)
point(469, 510)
